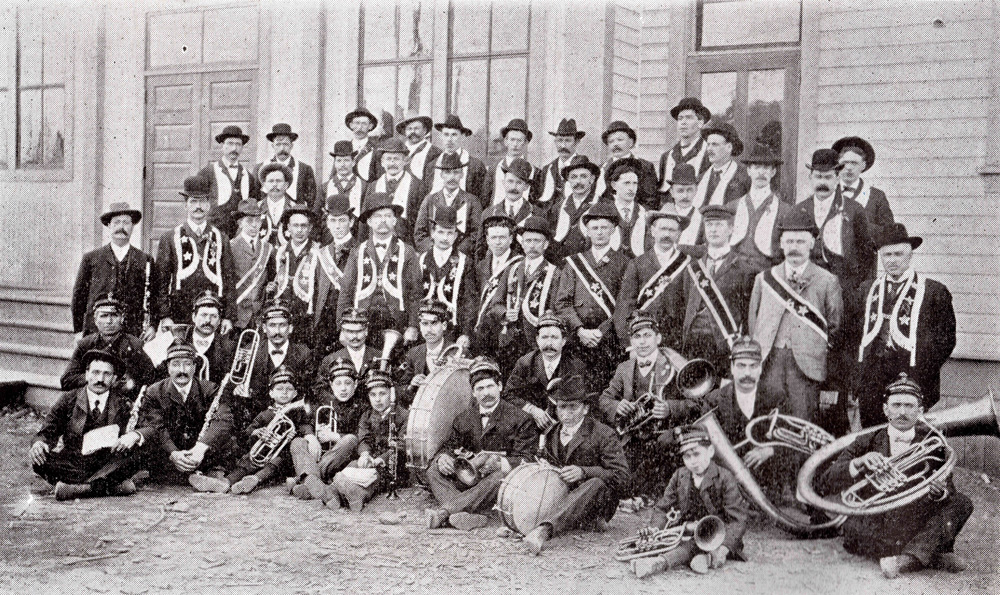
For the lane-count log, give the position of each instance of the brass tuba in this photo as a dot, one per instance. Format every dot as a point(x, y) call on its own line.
point(908, 476)
point(707, 533)
point(695, 378)
point(278, 433)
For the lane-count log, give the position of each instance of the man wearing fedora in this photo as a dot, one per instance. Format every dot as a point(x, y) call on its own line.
point(294, 272)
point(448, 274)
point(468, 209)
point(691, 117)
point(908, 326)
point(588, 291)
point(474, 173)
point(343, 180)
point(620, 139)
point(336, 245)
point(302, 187)
point(856, 157)
point(364, 146)
point(795, 307)
point(276, 179)
point(195, 256)
point(122, 270)
point(683, 183)
point(251, 255)
point(757, 222)
point(726, 179)
point(516, 137)
point(514, 206)
point(396, 180)
point(417, 132)
point(382, 274)
point(567, 209)
point(229, 181)
point(552, 177)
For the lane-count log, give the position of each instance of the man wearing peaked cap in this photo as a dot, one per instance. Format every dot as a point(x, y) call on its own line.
point(620, 140)
point(551, 179)
point(229, 181)
point(122, 270)
point(213, 349)
point(302, 186)
point(417, 132)
point(591, 462)
point(566, 211)
point(364, 147)
point(395, 180)
point(342, 179)
point(856, 156)
point(422, 359)
point(448, 274)
point(726, 179)
point(468, 209)
point(516, 137)
point(691, 149)
point(474, 175)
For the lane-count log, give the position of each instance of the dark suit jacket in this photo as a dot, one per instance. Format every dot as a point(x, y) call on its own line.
point(858, 262)
point(528, 380)
point(127, 347)
point(176, 303)
point(596, 449)
point(172, 423)
point(221, 216)
point(243, 259)
point(220, 357)
point(100, 273)
point(647, 195)
point(476, 182)
point(564, 207)
point(625, 386)
point(373, 433)
point(405, 224)
point(668, 309)
point(326, 298)
point(305, 183)
point(68, 418)
point(526, 210)
point(877, 210)
point(734, 423)
point(510, 430)
point(719, 492)
point(467, 306)
point(415, 364)
point(734, 278)
point(298, 359)
point(467, 237)
point(574, 302)
point(404, 315)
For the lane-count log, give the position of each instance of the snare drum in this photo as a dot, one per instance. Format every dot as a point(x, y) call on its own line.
point(445, 395)
point(528, 494)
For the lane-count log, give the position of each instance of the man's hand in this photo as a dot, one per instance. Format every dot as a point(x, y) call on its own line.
point(226, 326)
point(625, 408)
point(446, 465)
point(327, 435)
point(872, 461)
point(38, 453)
point(418, 380)
point(77, 337)
point(365, 460)
point(589, 338)
point(181, 461)
point(313, 445)
point(717, 557)
point(758, 456)
point(411, 335)
point(127, 441)
point(542, 419)
point(505, 466)
point(660, 409)
point(937, 489)
point(259, 432)
point(486, 463)
point(571, 474)
point(196, 454)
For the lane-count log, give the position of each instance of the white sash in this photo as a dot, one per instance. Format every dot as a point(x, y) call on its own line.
point(668, 168)
point(402, 195)
point(765, 227)
point(873, 324)
point(689, 237)
point(463, 157)
point(637, 241)
point(549, 188)
point(719, 194)
point(499, 191)
point(417, 160)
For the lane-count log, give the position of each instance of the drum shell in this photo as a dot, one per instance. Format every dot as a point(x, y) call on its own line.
point(528, 494)
point(445, 395)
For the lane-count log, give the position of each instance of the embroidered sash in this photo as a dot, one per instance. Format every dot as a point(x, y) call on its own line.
point(448, 287)
point(189, 259)
point(592, 282)
point(903, 318)
point(390, 277)
point(249, 284)
point(794, 303)
point(401, 196)
point(417, 158)
point(637, 235)
point(714, 301)
point(329, 265)
point(303, 280)
point(554, 182)
point(565, 221)
point(760, 222)
point(658, 283)
point(537, 294)
point(493, 284)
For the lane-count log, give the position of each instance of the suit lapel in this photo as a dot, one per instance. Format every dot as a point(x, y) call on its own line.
point(581, 434)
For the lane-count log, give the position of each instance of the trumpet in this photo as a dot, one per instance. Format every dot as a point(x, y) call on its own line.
point(467, 472)
point(707, 533)
point(907, 477)
point(277, 434)
point(243, 362)
point(695, 378)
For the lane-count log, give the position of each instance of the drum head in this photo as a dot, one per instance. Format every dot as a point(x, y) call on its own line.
point(446, 393)
point(529, 494)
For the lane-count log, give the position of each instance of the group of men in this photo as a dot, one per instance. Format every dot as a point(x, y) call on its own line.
point(586, 290)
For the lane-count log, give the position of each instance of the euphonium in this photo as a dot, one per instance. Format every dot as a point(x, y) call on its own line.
point(910, 473)
point(243, 362)
point(695, 378)
point(726, 454)
point(277, 434)
point(707, 533)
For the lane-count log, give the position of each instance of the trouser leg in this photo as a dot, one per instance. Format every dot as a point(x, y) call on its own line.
point(337, 457)
point(939, 530)
point(443, 488)
point(479, 497)
point(580, 505)
point(64, 466)
point(118, 467)
point(303, 460)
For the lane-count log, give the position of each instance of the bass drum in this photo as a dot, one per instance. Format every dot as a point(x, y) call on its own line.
point(528, 494)
point(446, 393)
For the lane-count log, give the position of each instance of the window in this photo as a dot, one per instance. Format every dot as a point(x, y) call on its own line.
point(746, 23)
point(34, 70)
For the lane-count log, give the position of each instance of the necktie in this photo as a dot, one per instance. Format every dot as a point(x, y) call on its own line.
point(713, 181)
point(627, 214)
point(486, 421)
point(390, 185)
point(95, 413)
point(510, 211)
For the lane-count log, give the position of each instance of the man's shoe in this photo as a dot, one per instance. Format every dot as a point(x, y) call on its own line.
point(535, 540)
point(125, 488)
point(467, 521)
point(436, 517)
point(315, 485)
point(351, 491)
point(290, 483)
point(140, 478)
point(330, 497)
point(700, 563)
point(949, 561)
point(301, 492)
point(207, 483)
point(246, 485)
point(71, 491)
point(893, 566)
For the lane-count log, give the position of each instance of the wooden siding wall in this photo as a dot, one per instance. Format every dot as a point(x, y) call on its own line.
point(626, 63)
point(920, 93)
point(654, 125)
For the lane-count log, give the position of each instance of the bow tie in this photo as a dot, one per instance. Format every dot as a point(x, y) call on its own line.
point(277, 351)
point(646, 364)
point(382, 246)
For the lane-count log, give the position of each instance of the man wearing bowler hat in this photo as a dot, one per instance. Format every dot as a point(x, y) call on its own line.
point(397, 181)
point(448, 274)
point(514, 206)
point(757, 222)
point(566, 210)
point(229, 180)
point(726, 179)
point(195, 256)
point(122, 270)
point(691, 117)
point(908, 326)
point(516, 137)
point(620, 139)
point(552, 177)
point(683, 188)
point(343, 180)
point(417, 132)
point(468, 210)
point(275, 179)
point(364, 146)
point(302, 187)
point(856, 157)
point(251, 255)
point(474, 173)
point(294, 272)
point(336, 245)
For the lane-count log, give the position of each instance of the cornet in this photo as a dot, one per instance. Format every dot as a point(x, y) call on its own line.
point(707, 533)
point(277, 434)
point(467, 473)
point(695, 379)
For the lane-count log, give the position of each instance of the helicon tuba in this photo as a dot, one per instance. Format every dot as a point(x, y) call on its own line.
point(909, 474)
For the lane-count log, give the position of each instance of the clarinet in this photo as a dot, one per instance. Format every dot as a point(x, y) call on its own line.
point(147, 319)
point(393, 461)
point(133, 418)
point(214, 407)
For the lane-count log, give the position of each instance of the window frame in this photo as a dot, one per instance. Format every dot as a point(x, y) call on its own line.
point(699, 17)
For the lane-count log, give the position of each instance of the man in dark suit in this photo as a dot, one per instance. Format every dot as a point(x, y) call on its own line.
point(856, 157)
point(216, 348)
point(343, 180)
point(136, 371)
point(492, 271)
point(121, 270)
point(514, 206)
point(421, 359)
point(336, 245)
point(177, 438)
point(468, 210)
point(620, 139)
point(405, 189)
point(417, 132)
point(364, 145)
point(727, 179)
point(302, 188)
point(251, 255)
point(921, 534)
point(590, 461)
point(587, 292)
point(890, 341)
point(473, 171)
point(354, 347)
point(106, 471)
point(492, 426)
point(275, 180)
point(294, 271)
point(195, 256)
point(448, 276)
point(516, 137)
point(691, 117)
point(566, 211)
point(228, 181)
point(757, 224)
point(551, 179)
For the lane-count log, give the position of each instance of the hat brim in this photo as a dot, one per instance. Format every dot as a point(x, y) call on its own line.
point(913, 241)
point(441, 126)
point(221, 138)
point(545, 232)
point(273, 135)
point(188, 195)
point(693, 182)
point(813, 230)
point(334, 154)
point(134, 214)
point(290, 212)
point(654, 215)
point(507, 221)
point(577, 135)
point(614, 218)
point(397, 209)
point(726, 134)
point(631, 134)
point(237, 215)
point(95, 354)
point(860, 143)
point(527, 133)
point(751, 160)
point(360, 112)
point(836, 168)
point(427, 122)
point(590, 166)
point(702, 111)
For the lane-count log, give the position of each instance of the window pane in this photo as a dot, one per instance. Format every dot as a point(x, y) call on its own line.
point(508, 80)
point(6, 128)
point(510, 26)
point(30, 154)
point(414, 95)
point(470, 27)
point(29, 36)
point(8, 48)
point(378, 91)
point(380, 30)
point(53, 128)
point(57, 49)
point(749, 22)
point(174, 39)
point(468, 84)
point(718, 93)
point(225, 42)
point(765, 104)
point(416, 28)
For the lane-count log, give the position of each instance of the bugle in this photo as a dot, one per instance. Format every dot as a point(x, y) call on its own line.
point(908, 475)
point(707, 534)
point(276, 436)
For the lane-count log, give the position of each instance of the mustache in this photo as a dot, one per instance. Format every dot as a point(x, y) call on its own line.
point(746, 379)
point(823, 187)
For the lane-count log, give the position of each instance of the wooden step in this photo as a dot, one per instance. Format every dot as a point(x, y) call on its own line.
point(43, 333)
point(34, 359)
point(29, 306)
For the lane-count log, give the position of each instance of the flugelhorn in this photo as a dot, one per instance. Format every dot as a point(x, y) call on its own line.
point(909, 474)
point(276, 436)
point(707, 534)
point(695, 378)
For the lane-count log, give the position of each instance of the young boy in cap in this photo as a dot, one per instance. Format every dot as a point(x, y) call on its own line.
point(699, 489)
point(448, 276)
point(468, 209)
point(376, 444)
point(421, 360)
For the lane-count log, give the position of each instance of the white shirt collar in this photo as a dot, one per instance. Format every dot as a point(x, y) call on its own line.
point(198, 229)
point(120, 251)
point(498, 261)
point(717, 253)
point(895, 434)
point(664, 256)
point(567, 433)
point(746, 401)
point(531, 265)
point(725, 168)
point(357, 356)
point(518, 204)
point(853, 186)
point(440, 256)
point(252, 240)
point(564, 162)
point(759, 195)
point(797, 271)
point(599, 254)
point(449, 197)
point(298, 250)
point(550, 366)
point(183, 390)
point(94, 399)
point(283, 348)
point(359, 144)
point(483, 412)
